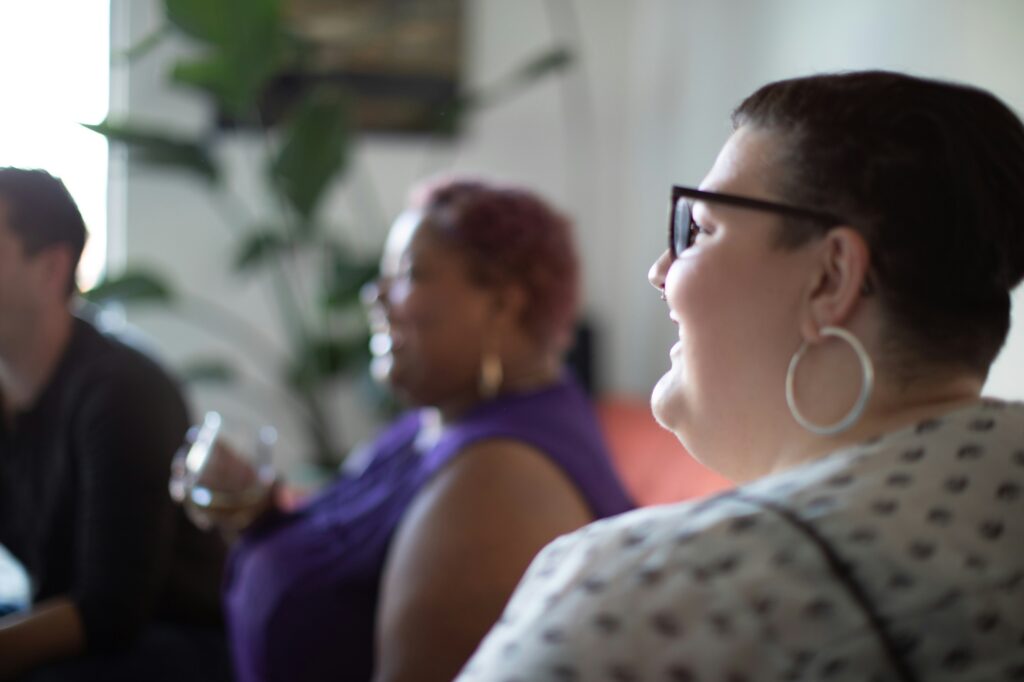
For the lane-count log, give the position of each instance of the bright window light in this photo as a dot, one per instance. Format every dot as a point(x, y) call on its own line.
point(55, 75)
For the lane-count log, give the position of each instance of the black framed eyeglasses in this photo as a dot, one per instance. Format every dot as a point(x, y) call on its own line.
point(682, 230)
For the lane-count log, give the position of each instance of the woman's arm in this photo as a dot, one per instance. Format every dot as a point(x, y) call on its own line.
point(459, 552)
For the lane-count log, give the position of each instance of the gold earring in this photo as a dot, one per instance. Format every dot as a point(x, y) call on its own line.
point(491, 374)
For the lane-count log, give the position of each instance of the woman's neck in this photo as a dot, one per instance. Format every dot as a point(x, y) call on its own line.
point(890, 409)
point(519, 375)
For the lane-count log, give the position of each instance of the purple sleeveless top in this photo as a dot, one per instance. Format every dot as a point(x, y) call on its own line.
point(301, 589)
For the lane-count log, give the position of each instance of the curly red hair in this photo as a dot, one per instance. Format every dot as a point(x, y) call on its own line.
point(510, 235)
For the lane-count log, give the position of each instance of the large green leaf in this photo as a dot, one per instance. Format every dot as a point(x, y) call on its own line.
point(258, 247)
point(346, 276)
point(132, 286)
point(207, 371)
point(159, 148)
point(211, 73)
point(221, 21)
point(314, 152)
point(246, 41)
point(235, 82)
point(201, 19)
point(328, 357)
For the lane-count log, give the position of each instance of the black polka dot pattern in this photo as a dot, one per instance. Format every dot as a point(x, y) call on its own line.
point(940, 516)
point(1008, 492)
point(928, 522)
point(680, 673)
point(665, 623)
point(607, 623)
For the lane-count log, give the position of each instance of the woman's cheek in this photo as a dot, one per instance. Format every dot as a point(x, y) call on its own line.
point(399, 293)
point(682, 289)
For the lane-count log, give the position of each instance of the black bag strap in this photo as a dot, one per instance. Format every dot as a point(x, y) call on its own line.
point(840, 570)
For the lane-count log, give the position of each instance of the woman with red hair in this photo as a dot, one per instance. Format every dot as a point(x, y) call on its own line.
point(397, 571)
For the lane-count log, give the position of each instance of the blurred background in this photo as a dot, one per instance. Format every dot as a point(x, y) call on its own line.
point(598, 104)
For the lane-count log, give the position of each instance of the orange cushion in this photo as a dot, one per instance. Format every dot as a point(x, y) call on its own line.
point(655, 467)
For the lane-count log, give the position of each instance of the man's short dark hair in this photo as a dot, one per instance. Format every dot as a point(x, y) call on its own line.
point(932, 175)
point(42, 213)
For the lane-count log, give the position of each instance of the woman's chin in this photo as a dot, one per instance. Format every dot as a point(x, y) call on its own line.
point(382, 368)
point(406, 387)
point(665, 402)
point(386, 372)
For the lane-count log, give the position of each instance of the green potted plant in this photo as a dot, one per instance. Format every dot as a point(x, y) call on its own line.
point(239, 48)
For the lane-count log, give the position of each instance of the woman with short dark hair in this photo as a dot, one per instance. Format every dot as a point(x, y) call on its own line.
point(840, 283)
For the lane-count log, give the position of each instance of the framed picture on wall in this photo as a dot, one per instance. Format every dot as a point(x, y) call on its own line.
point(399, 59)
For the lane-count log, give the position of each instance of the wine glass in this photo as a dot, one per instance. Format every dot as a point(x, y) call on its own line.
point(217, 485)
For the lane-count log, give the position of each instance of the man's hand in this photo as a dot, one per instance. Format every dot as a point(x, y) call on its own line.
point(51, 631)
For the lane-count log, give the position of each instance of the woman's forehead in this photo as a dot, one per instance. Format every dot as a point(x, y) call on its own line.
point(746, 166)
point(400, 238)
point(413, 236)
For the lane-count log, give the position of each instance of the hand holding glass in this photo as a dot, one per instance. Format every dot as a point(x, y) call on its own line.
point(217, 486)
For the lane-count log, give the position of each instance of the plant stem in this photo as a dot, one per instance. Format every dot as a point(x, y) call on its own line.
point(294, 228)
point(326, 453)
point(287, 302)
point(367, 198)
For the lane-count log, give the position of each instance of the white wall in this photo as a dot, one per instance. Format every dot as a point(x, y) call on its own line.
point(647, 105)
point(693, 61)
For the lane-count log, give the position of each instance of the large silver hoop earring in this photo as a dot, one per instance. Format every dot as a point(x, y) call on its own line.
point(491, 374)
point(867, 385)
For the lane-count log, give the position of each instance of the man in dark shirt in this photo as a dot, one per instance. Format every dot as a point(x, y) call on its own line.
point(123, 586)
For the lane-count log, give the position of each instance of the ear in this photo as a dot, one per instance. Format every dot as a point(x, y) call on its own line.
point(836, 287)
point(508, 301)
